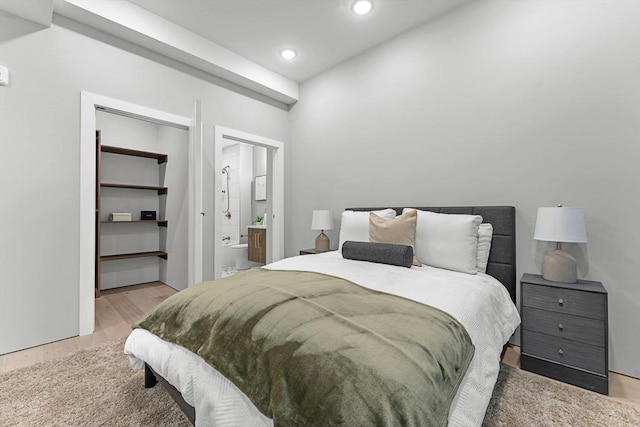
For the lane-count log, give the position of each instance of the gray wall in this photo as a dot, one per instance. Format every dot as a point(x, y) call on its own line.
point(40, 158)
point(523, 103)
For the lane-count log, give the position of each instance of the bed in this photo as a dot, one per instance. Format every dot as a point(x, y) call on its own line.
point(484, 304)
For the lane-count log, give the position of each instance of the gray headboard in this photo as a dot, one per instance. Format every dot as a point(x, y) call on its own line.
point(502, 258)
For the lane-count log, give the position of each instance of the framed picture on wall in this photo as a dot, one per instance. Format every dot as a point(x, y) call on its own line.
point(261, 187)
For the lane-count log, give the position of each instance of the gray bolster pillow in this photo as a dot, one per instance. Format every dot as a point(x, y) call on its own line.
point(384, 253)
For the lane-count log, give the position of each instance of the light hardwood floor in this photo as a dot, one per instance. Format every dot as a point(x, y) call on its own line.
point(118, 308)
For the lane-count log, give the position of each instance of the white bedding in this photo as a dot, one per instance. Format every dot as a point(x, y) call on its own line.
point(479, 302)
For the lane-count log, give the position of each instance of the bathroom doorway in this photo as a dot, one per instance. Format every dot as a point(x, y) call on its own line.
point(248, 201)
point(244, 206)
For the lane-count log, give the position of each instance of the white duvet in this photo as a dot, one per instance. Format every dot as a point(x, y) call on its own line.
point(479, 302)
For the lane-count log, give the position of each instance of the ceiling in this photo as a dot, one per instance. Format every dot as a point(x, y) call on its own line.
point(323, 32)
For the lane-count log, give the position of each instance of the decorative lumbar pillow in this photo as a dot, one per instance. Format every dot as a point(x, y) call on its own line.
point(447, 241)
point(384, 253)
point(354, 225)
point(485, 233)
point(400, 231)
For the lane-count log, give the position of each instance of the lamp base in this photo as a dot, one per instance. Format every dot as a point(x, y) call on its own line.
point(559, 266)
point(322, 242)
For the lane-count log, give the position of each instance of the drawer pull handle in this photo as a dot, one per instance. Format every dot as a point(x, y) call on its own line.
point(560, 326)
point(560, 302)
point(561, 352)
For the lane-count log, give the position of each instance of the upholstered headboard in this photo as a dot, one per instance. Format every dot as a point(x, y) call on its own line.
point(502, 257)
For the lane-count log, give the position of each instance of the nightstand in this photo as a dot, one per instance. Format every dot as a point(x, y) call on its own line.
point(564, 331)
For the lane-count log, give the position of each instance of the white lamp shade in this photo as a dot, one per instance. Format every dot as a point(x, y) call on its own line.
point(560, 224)
point(322, 220)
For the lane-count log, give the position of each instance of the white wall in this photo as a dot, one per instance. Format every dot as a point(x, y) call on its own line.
point(523, 103)
point(40, 155)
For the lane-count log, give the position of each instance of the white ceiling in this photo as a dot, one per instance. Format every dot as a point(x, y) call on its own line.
point(323, 32)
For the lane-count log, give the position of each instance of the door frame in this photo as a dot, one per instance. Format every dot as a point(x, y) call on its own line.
point(275, 192)
point(89, 103)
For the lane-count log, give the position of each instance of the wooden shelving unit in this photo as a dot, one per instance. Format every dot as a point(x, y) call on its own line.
point(158, 222)
point(159, 254)
point(161, 158)
point(160, 190)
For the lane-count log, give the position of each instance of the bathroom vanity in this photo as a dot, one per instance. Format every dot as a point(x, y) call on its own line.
point(258, 243)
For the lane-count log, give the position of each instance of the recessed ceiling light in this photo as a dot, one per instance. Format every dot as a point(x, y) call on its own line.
point(288, 53)
point(362, 7)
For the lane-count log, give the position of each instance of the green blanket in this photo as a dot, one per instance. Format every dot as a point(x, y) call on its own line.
point(314, 350)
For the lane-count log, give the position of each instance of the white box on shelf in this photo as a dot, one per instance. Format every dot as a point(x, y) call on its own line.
point(120, 216)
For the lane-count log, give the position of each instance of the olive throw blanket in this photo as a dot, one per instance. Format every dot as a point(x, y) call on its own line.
point(310, 349)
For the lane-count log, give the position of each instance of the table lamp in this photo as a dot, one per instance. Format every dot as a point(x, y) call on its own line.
point(561, 225)
point(322, 220)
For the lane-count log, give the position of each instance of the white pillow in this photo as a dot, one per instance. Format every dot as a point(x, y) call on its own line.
point(485, 233)
point(354, 225)
point(447, 241)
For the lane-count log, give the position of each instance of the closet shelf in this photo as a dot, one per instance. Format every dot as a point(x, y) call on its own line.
point(160, 222)
point(162, 158)
point(161, 190)
point(159, 254)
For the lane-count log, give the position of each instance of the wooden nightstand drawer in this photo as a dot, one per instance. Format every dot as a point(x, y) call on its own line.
point(562, 300)
point(571, 353)
point(576, 328)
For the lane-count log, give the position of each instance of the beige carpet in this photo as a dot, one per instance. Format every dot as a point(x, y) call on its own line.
point(93, 387)
point(522, 398)
point(96, 387)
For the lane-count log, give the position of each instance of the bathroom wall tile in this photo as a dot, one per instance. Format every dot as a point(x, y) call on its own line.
point(235, 218)
point(234, 204)
point(234, 189)
point(230, 231)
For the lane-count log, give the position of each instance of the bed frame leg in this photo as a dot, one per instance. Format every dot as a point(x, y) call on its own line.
point(150, 379)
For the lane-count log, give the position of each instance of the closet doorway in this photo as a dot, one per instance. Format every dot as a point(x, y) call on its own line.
point(273, 220)
point(90, 104)
point(141, 202)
